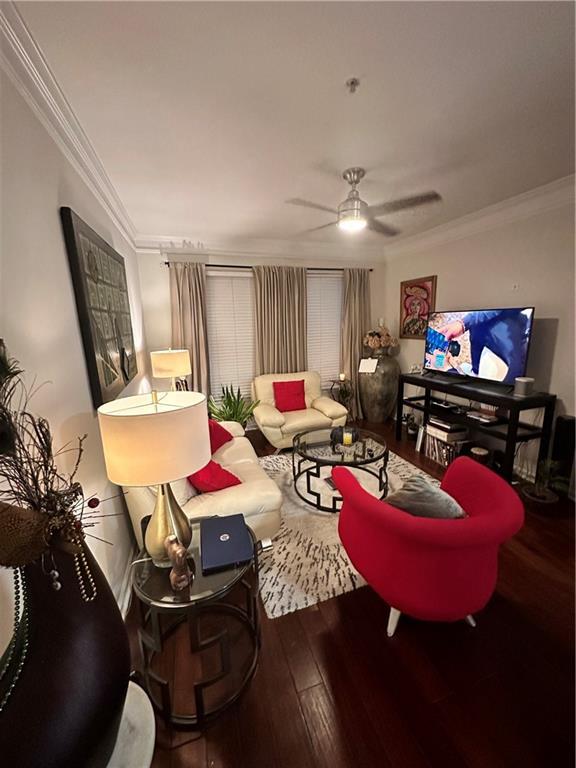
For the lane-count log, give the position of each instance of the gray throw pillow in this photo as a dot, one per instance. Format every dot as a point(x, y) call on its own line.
point(421, 499)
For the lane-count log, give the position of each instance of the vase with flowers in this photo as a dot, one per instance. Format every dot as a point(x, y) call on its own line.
point(379, 390)
point(66, 666)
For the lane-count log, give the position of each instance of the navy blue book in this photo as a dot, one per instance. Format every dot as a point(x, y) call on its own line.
point(224, 542)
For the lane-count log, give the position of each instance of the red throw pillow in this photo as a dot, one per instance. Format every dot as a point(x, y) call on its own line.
point(219, 435)
point(213, 477)
point(289, 395)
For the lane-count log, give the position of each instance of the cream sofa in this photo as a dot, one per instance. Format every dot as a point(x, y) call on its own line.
point(258, 497)
point(279, 428)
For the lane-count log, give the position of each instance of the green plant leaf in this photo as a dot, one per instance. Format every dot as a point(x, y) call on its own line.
point(231, 407)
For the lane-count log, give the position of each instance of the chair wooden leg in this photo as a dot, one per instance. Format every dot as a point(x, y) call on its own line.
point(393, 621)
point(471, 620)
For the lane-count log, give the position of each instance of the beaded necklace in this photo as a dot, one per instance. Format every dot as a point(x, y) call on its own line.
point(20, 600)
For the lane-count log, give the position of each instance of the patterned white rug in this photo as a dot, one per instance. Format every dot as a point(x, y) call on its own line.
point(307, 563)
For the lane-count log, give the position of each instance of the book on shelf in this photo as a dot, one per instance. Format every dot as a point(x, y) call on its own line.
point(446, 437)
point(444, 425)
point(441, 451)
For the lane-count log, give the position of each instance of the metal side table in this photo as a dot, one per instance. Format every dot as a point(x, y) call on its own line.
point(221, 614)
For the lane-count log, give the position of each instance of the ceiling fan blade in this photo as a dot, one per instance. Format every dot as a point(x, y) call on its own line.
point(383, 229)
point(308, 204)
point(323, 226)
point(405, 202)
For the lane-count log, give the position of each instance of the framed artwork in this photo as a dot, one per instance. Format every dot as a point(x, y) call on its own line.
point(417, 300)
point(101, 291)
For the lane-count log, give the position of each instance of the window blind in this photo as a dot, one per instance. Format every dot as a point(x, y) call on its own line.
point(324, 324)
point(230, 321)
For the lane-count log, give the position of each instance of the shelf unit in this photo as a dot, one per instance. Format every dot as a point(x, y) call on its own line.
point(510, 430)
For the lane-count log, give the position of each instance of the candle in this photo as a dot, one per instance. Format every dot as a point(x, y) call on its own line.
point(347, 437)
point(342, 377)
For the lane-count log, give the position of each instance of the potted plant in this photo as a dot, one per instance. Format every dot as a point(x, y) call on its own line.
point(232, 406)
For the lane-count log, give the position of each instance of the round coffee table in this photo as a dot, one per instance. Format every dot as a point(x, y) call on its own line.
point(223, 637)
point(313, 449)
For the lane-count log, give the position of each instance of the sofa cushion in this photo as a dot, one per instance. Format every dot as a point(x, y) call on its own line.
point(213, 477)
point(421, 499)
point(235, 429)
point(297, 421)
point(257, 495)
point(218, 435)
point(182, 490)
point(239, 449)
point(289, 395)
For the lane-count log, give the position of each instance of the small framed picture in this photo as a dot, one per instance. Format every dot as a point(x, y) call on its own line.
point(417, 300)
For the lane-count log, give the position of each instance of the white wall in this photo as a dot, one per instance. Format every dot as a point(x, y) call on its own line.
point(526, 262)
point(38, 317)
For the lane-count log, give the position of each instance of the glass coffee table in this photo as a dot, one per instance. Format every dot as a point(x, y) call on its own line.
point(216, 660)
point(314, 449)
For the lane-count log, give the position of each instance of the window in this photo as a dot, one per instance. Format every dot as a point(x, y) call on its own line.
point(230, 321)
point(324, 324)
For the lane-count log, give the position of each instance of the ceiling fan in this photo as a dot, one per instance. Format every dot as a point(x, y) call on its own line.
point(354, 214)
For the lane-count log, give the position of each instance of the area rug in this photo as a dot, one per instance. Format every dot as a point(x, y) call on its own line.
point(307, 563)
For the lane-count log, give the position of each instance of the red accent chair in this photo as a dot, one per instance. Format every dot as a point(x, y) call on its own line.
point(435, 570)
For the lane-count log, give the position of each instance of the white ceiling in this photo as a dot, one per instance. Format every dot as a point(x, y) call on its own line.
point(209, 116)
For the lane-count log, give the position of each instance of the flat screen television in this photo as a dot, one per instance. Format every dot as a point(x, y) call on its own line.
point(488, 344)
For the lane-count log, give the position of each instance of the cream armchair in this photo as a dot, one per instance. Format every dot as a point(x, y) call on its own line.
point(279, 428)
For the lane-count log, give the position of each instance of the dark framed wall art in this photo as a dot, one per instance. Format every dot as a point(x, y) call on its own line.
point(101, 290)
point(417, 300)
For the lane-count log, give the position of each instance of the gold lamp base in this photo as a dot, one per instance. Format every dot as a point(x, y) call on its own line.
point(168, 519)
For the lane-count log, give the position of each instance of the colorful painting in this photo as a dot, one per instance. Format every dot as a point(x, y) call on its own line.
point(417, 300)
point(101, 291)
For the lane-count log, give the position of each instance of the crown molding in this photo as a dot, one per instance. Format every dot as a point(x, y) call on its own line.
point(25, 65)
point(265, 249)
point(545, 198)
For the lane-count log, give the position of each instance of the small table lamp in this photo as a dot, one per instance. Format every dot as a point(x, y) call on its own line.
point(155, 439)
point(170, 364)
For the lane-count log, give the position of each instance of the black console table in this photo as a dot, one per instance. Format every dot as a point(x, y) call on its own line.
point(509, 429)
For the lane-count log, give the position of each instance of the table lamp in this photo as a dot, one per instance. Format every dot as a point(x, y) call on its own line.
point(155, 439)
point(170, 364)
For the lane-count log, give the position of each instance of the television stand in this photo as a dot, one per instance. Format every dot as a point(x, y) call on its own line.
point(463, 382)
point(509, 430)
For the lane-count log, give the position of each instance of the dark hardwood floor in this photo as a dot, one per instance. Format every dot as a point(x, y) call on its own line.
point(333, 691)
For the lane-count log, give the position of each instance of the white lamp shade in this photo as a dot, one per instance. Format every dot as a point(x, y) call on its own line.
point(170, 363)
point(149, 444)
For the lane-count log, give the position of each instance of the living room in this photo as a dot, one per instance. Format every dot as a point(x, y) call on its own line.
point(223, 135)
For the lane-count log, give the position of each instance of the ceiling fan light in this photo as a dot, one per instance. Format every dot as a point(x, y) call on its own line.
point(352, 224)
point(352, 213)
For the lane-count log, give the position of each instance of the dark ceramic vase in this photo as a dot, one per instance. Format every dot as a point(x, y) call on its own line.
point(378, 390)
point(66, 706)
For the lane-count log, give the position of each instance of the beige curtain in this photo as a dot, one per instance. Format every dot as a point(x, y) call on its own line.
point(355, 323)
point(280, 303)
point(188, 302)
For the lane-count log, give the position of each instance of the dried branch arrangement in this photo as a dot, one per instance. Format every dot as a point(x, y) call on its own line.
point(40, 506)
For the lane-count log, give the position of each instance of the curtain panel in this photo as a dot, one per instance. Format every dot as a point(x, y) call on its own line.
point(280, 313)
point(188, 305)
point(355, 323)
